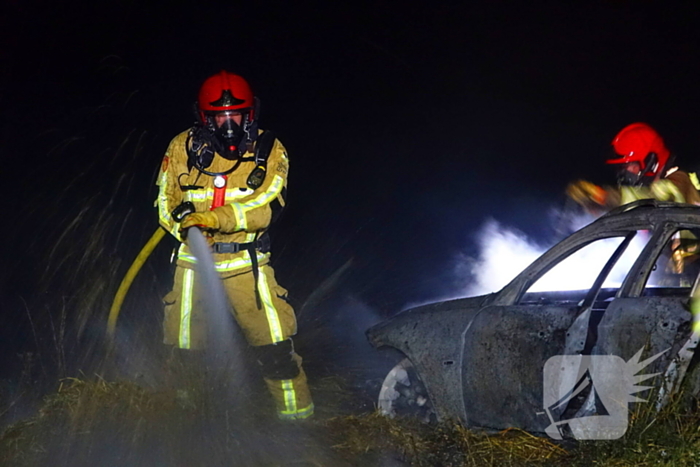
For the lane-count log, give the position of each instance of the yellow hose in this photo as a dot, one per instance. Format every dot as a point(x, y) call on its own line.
point(129, 278)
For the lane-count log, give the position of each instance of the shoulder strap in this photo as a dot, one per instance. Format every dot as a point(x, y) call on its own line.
point(263, 148)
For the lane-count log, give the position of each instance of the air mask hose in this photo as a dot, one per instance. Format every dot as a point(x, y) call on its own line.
point(129, 278)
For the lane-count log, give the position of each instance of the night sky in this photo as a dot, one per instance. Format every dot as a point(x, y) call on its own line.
point(408, 124)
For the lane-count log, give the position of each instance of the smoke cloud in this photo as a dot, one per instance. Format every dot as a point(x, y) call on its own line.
point(504, 251)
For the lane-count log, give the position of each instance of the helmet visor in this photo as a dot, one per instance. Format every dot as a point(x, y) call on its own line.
point(227, 121)
point(227, 126)
point(616, 158)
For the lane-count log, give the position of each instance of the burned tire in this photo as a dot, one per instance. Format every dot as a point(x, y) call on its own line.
point(403, 394)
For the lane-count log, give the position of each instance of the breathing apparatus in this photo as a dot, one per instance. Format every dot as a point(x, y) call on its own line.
point(228, 139)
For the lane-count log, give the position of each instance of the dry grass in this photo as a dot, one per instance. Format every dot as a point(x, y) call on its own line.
point(77, 410)
point(446, 444)
point(670, 437)
point(85, 414)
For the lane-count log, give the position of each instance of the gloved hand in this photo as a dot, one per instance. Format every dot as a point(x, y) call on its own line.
point(586, 193)
point(206, 220)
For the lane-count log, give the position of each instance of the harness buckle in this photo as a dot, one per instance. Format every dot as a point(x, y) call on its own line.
point(227, 247)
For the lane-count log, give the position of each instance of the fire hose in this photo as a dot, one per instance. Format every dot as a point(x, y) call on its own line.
point(129, 278)
point(178, 214)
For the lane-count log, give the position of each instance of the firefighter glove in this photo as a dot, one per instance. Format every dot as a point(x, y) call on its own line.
point(586, 193)
point(206, 220)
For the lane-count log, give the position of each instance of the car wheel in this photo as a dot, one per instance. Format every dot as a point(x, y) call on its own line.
point(403, 394)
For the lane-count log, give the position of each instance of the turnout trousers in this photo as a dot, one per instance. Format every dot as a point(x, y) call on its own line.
point(268, 329)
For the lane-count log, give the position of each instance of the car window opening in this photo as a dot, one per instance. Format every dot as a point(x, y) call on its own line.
point(677, 267)
point(576, 276)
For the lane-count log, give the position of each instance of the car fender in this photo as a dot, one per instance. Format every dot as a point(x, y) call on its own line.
point(432, 337)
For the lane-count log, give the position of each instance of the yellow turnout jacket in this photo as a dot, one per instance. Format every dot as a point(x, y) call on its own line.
point(243, 218)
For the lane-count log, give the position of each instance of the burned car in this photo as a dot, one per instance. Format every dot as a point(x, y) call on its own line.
point(481, 359)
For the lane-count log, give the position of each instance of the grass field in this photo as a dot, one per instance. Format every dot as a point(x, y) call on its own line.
point(96, 422)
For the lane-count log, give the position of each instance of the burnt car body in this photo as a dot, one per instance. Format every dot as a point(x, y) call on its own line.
point(481, 358)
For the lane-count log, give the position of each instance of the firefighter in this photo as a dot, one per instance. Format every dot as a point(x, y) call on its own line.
point(646, 170)
point(228, 178)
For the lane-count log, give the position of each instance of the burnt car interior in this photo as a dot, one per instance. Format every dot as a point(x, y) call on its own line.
point(677, 267)
point(589, 275)
point(673, 274)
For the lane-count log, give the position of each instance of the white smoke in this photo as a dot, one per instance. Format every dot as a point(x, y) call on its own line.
point(504, 252)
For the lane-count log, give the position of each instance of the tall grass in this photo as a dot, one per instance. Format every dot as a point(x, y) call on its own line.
point(83, 208)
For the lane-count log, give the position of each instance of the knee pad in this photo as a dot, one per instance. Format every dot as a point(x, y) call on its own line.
point(277, 360)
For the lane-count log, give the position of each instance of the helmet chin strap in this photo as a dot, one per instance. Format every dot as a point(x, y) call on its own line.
point(250, 125)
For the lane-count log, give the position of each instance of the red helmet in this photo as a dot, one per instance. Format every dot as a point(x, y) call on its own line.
point(227, 95)
point(641, 144)
point(224, 92)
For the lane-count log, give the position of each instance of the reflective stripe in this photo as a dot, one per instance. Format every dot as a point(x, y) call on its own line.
point(265, 197)
point(666, 190)
point(290, 401)
point(186, 308)
point(695, 310)
point(195, 195)
point(240, 263)
point(290, 396)
point(694, 179)
point(227, 265)
point(273, 320)
point(241, 223)
point(208, 194)
point(632, 193)
point(306, 412)
point(163, 208)
point(662, 190)
point(241, 209)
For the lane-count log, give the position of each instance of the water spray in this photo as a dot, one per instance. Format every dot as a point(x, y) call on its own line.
point(223, 335)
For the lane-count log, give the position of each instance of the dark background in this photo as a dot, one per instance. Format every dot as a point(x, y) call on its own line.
point(407, 123)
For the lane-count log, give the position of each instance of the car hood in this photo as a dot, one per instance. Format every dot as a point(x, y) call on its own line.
point(416, 322)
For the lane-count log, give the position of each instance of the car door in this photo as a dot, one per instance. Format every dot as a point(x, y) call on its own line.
point(507, 344)
point(652, 310)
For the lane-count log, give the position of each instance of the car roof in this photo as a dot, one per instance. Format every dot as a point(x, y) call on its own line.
point(648, 211)
point(645, 214)
point(654, 207)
